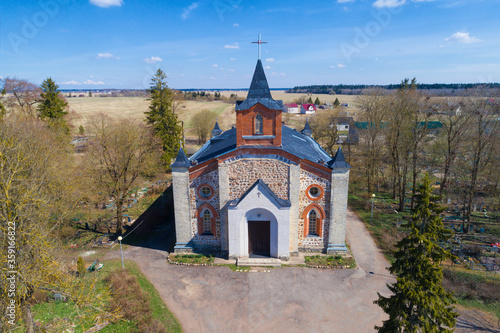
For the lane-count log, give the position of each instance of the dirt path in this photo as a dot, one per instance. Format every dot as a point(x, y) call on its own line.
point(216, 299)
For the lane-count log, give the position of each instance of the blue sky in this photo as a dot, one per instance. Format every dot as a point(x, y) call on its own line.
point(207, 43)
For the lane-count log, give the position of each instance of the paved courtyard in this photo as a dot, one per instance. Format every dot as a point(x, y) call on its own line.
point(216, 299)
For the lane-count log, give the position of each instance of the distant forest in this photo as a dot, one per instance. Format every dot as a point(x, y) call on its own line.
point(447, 89)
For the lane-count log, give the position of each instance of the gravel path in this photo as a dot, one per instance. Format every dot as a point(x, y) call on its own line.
point(216, 299)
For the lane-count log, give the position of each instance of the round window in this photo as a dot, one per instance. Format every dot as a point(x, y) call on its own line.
point(314, 192)
point(205, 191)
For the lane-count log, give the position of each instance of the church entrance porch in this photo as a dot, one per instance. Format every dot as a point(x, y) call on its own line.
point(258, 224)
point(259, 239)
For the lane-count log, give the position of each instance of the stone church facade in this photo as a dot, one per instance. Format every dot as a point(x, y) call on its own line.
point(261, 188)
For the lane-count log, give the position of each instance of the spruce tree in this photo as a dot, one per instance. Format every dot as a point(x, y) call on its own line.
point(162, 117)
point(52, 107)
point(337, 102)
point(419, 302)
point(317, 101)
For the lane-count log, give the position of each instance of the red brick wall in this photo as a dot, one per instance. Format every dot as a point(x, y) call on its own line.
point(245, 126)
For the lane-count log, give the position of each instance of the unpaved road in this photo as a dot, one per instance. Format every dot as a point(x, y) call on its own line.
point(216, 299)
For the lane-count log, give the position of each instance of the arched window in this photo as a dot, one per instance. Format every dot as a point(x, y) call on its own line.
point(206, 216)
point(259, 124)
point(207, 222)
point(313, 219)
point(313, 216)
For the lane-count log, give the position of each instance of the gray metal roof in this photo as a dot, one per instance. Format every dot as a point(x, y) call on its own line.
point(339, 160)
point(259, 92)
point(292, 141)
point(181, 161)
point(307, 129)
point(216, 131)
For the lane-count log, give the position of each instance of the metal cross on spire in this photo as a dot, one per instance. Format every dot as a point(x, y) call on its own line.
point(259, 42)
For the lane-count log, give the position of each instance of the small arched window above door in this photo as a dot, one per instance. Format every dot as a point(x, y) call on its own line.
point(259, 124)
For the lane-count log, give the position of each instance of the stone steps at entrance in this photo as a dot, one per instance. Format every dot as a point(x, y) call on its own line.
point(260, 262)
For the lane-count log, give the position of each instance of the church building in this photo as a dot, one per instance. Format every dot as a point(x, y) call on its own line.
point(261, 188)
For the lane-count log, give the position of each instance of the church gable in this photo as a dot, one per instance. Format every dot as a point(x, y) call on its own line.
point(244, 172)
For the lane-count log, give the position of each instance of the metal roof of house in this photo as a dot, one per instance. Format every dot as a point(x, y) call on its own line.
point(259, 92)
point(292, 141)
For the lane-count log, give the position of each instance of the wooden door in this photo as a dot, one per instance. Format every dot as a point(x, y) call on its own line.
point(259, 238)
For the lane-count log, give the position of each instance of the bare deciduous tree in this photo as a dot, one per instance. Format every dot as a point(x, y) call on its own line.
point(119, 153)
point(203, 122)
point(22, 95)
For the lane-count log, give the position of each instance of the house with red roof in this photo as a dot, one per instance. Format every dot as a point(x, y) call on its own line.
point(291, 108)
point(308, 108)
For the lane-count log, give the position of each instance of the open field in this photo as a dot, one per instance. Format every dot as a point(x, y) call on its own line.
point(289, 98)
point(134, 107)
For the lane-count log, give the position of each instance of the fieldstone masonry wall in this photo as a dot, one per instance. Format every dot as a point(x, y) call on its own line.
point(315, 242)
point(244, 172)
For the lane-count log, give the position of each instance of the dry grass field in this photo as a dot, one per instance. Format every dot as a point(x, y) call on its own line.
point(134, 107)
point(289, 98)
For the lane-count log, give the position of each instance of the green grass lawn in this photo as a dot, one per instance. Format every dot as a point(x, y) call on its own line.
point(472, 289)
point(64, 315)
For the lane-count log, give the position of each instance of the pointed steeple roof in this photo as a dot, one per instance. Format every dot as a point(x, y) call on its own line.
point(307, 129)
point(339, 161)
point(216, 131)
point(259, 92)
point(181, 161)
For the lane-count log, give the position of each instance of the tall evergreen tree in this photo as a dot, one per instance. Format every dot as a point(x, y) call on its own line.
point(317, 101)
point(337, 102)
point(419, 302)
point(52, 105)
point(162, 117)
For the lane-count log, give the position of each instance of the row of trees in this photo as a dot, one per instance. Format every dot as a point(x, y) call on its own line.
point(408, 131)
point(42, 181)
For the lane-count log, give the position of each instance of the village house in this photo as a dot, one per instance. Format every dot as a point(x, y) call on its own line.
point(291, 108)
point(308, 108)
point(260, 189)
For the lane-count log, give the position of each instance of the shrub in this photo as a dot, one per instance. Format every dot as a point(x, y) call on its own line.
point(133, 302)
point(80, 267)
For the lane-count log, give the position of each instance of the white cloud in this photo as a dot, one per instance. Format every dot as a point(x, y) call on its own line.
point(234, 46)
point(278, 74)
point(236, 25)
point(153, 60)
point(270, 60)
point(340, 65)
point(267, 67)
point(212, 78)
point(230, 70)
point(92, 82)
point(232, 59)
point(392, 3)
point(106, 55)
point(388, 3)
point(72, 82)
point(215, 65)
point(106, 3)
point(463, 37)
point(188, 10)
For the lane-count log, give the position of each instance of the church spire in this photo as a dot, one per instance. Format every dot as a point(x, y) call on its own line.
point(216, 131)
point(307, 129)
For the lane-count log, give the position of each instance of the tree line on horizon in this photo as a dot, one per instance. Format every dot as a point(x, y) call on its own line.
point(357, 89)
